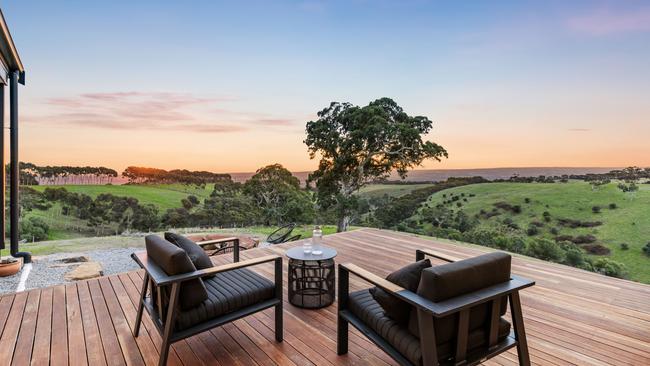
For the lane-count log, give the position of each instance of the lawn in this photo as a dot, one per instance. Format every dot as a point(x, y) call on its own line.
point(72, 245)
point(629, 223)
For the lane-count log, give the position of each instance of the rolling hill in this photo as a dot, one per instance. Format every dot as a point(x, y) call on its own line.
point(626, 222)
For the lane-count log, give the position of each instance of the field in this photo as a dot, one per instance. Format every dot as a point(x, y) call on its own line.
point(629, 223)
point(162, 195)
point(392, 190)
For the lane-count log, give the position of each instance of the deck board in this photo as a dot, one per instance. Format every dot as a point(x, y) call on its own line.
point(571, 317)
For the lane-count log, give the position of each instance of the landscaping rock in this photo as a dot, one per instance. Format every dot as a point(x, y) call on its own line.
point(85, 271)
point(75, 259)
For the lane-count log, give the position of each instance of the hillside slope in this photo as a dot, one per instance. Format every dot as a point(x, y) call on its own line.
point(162, 195)
point(627, 223)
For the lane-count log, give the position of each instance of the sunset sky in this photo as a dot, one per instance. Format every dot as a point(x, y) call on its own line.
point(228, 86)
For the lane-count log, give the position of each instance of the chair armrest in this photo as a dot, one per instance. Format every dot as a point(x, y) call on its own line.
point(160, 278)
point(421, 253)
point(217, 241)
point(372, 278)
point(236, 247)
point(443, 308)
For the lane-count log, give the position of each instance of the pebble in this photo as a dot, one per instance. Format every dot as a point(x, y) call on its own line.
point(45, 273)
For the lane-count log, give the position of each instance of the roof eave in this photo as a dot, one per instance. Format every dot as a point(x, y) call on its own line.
point(9, 53)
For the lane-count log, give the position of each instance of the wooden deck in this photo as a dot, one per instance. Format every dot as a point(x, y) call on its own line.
point(571, 317)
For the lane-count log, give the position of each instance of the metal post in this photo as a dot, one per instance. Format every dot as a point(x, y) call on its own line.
point(14, 208)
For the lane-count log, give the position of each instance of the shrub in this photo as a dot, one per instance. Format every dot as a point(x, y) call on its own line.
point(612, 206)
point(34, 229)
point(595, 209)
point(508, 207)
point(584, 239)
point(624, 246)
point(464, 199)
point(555, 231)
point(527, 200)
point(547, 216)
point(573, 255)
point(459, 204)
point(646, 249)
point(532, 230)
point(545, 249)
point(596, 249)
point(609, 267)
point(577, 223)
point(537, 223)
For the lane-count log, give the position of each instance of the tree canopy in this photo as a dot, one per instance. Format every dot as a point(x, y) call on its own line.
point(357, 145)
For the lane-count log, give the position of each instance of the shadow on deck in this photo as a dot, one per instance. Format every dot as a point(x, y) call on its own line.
point(571, 317)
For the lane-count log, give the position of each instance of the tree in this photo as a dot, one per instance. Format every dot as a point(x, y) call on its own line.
point(277, 192)
point(357, 145)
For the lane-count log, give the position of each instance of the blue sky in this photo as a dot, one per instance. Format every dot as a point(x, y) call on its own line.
point(195, 83)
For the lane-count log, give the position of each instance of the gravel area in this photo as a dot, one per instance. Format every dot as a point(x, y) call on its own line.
point(44, 274)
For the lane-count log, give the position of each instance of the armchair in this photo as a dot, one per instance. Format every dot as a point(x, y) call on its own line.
point(231, 292)
point(466, 329)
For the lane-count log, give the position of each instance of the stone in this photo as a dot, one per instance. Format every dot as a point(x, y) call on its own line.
point(85, 271)
point(75, 259)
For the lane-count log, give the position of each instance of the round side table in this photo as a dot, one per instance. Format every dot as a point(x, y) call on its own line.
point(312, 278)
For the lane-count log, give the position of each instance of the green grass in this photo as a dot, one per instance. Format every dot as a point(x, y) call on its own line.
point(71, 245)
point(162, 195)
point(392, 190)
point(629, 223)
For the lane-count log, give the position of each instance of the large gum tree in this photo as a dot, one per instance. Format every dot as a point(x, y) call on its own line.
point(357, 145)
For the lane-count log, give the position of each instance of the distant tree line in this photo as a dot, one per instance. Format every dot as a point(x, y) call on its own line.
point(273, 196)
point(32, 174)
point(144, 175)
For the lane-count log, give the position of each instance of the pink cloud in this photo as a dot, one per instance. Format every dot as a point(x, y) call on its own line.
point(152, 110)
point(607, 21)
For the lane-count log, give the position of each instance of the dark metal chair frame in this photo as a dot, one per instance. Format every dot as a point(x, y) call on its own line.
point(427, 311)
point(235, 248)
point(164, 318)
point(283, 237)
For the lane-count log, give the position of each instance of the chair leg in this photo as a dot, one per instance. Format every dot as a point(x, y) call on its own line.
point(342, 324)
point(143, 295)
point(164, 352)
point(279, 328)
point(520, 333)
point(341, 336)
point(169, 324)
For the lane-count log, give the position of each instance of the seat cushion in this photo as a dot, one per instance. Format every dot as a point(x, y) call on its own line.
point(227, 291)
point(368, 310)
point(197, 255)
point(173, 260)
point(407, 277)
point(446, 281)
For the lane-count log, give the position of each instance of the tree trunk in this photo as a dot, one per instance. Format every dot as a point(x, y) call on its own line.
point(342, 224)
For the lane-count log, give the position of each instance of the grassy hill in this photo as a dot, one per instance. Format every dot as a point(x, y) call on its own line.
point(162, 195)
point(628, 223)
point(392, 190)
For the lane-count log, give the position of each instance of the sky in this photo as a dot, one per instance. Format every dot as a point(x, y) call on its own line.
point(228, 86)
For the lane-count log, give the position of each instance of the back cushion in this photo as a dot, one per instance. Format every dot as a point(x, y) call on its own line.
point(407, 277)
point(447, 281)
point(197, 255)
point(173, 260)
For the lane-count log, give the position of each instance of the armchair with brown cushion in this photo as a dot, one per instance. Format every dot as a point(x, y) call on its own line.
point(183, 300)
point(455, 316)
